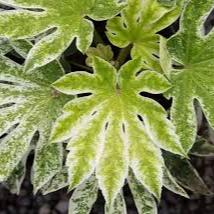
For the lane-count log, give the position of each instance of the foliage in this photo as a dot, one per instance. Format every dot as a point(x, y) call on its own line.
point(115, 133)
point(138, 25)
point(29, 106)
point(61, 21)
point(193, 78)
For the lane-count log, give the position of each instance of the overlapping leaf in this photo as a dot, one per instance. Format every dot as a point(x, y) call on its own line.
point(202, 148)
point(62, 20)
point(29, 105)
point(118, 207)
point(5, 47)
point(171, 184)
point(144, 201)
point(103, 51)
point(192, 76)
point(138, 25)
point(105, 129)
point(84, 197)
point(185, 174)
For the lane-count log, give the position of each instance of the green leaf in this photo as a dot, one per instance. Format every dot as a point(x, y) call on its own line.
point(16, 178)
point(185, 174)
point(59, 181)
point(22, 47)
point(193, 78)
point(103, 51)
point(171, 184)
point(48, 159)
point(28, 102)
point(167, 3)
point(144, 201)
point(64, 21)
point(165, 58)
point(138, 25)
point(5, 46)
point(202, 148)
point(105, 130)
point(118, 207)
point(84, 197)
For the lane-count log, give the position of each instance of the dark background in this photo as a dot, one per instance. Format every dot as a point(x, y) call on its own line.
point(57, 202)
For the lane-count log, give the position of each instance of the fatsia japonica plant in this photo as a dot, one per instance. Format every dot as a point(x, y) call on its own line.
point(78, 88)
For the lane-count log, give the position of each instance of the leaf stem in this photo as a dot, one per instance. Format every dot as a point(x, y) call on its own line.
point(122, 56)
point(81, 66)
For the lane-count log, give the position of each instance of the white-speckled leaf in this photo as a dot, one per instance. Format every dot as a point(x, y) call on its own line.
point(16, 178)
point(5, 46)
point(59, 181)
point(138, 25)
point(165, 59)
point(193, 76)
point(104, 126)
point(29, 102)
point(84, 196)
point(64, 20)
point(144, 201)
point(22, 47)
point(118, 207)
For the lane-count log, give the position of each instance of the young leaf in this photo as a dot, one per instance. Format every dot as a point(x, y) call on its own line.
point(29, 103)
point(62, 19)
point(193, 78)
point(84, 197)
point(144, 201)
point(138, 25)
point(105, 128)
point(103, 51)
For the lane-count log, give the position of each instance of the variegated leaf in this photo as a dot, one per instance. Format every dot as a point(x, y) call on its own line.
point(202, 148)
point(118, 206)
point(103, 51)
point(185, 174)
point(84, 197)
point(5, 46)
point(192, 76)
point(29, 103)
point(17, 176)
point(170, 183)
point(22, 47)
point(144, 201)
point(64, 21)
point(59, 181)
point(105, 131)
point(138, 25)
